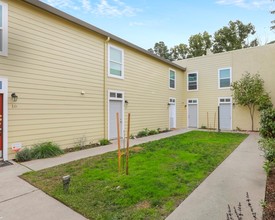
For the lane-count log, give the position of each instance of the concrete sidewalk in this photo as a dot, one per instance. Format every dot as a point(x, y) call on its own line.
point(241, 172)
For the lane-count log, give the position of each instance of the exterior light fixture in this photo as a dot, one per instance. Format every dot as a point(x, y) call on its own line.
point(14, 97)
point(126, 101)
point(168, 103)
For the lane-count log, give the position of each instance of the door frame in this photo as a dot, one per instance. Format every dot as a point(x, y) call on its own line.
point(4, 91)
point(197, 100)
point(122, 110)
point(173, 101)
point(219, 102)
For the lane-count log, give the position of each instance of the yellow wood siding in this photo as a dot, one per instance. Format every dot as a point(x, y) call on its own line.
point(50, 61)
point(146, 88)
point(253, 60)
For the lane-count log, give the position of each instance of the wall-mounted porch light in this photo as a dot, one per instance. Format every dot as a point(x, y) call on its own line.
point(126, 101)
point(14, 97)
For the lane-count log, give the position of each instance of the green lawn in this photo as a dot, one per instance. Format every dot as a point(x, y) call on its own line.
point(161, 175)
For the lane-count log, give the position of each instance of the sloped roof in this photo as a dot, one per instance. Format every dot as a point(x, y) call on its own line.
point(77, 21)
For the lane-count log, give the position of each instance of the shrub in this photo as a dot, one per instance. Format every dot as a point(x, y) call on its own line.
point(267, 122)
point(104, 141)
point(45, 150)
point(152, 132)
point(143, 133)
point(268, 147)
point(23, 155)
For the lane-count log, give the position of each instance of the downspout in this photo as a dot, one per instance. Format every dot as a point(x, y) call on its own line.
point(104, 84)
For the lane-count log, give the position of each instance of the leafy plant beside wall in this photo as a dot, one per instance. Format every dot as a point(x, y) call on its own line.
point(39, 151)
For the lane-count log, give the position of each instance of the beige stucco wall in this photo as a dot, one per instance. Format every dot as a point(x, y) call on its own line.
point(254, 60)
point(51, 60)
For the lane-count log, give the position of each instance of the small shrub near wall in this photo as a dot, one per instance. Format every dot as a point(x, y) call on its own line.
point(38, 151)
point(267, 122)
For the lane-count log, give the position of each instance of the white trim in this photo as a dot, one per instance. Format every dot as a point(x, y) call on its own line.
point(4, 52)
point(170, 78)
point(197, 110)
point(230, 71)
point(4, 91)
point(187, 80)
point(122, 62)
point(175, 104)
point(219, 98)
point(117, 99)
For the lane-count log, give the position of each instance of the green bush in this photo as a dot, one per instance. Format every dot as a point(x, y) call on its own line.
point(152, 132)
point(143, 133)
point(45, 150)
point(104, 141)
point(267, 122)
point(23, 155)
point(268, 147)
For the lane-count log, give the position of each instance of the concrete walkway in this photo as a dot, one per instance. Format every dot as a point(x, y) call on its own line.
point(241, 172)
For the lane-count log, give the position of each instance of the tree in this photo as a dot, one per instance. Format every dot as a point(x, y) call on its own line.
point(233, 37)
point(161, 50)
point(249, 91)
point(199, 43)
point(179, 52)
point(273, 21)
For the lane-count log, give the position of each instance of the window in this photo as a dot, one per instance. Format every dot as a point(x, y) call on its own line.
point(224, 78)
point(3, 29)
point(192, 101)
point(116, 57)
point(114, 95)
point(192, 81)
point(172, 79)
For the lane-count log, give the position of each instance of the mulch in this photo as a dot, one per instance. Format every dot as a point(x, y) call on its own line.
point(269, 209)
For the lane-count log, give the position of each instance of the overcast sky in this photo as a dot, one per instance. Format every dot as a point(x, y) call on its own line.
point(145, 22)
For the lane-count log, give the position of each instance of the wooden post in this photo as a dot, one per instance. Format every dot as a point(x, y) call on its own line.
point(127, 146)
point(207, 121)
point(118, 140)
point(215, 120)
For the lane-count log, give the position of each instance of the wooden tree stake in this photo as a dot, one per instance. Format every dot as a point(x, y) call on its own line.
point(127, 146)
point(118, 141)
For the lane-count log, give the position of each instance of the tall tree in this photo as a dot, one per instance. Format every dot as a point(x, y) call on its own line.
point(273, 21)
point(249, 91)
point(233, 37)
point(161, 50)
point(179, 52)
point(199, 43)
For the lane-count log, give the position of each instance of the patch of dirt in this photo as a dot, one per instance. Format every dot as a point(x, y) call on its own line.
point(143, 205)
point(269, 210)
point(136, 149)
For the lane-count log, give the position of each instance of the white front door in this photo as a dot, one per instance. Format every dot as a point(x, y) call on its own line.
point(192, 113)
point(225, 113)
point(116, 101)
point(172, 113)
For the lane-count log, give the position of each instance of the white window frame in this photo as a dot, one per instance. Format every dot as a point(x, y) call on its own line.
point(173, 88)
point(219, 79)
point(196, 72)
point(193, 103)
point(231, 103)
point(109, 61)
point(4, 29)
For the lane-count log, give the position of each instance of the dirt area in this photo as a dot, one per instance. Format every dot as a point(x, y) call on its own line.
point(269, 210)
